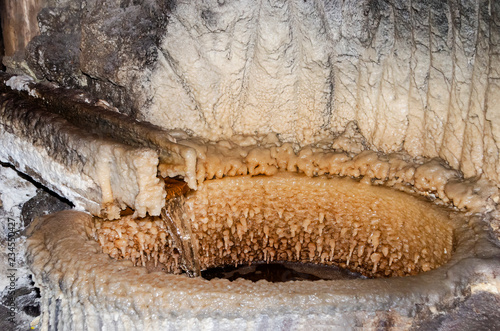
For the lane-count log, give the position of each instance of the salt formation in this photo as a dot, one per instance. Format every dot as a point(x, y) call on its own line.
point(416, 76)
point(118, 295)
point(374, 231)
point(118, 169)
point(298, 212)
point(252, 198)
point(97, 173)
point(370, 230)
point(144, 241)
point(247, 96)
point(152, 242)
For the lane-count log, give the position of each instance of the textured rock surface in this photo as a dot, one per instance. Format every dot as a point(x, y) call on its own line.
point(104, 46)
point(97, 173)
point(419, 76)
point(478, 312)
point(19, 300)
point(21, 200)
point(416, 76)
point(117, 295)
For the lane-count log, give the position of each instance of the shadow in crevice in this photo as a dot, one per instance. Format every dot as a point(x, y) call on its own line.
point(278, 272)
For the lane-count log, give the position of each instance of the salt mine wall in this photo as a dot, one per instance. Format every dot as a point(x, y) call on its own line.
point(419, 76)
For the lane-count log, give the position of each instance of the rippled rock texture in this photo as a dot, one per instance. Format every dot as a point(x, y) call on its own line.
point(419, 76)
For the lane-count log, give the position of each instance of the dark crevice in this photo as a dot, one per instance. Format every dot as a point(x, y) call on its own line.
point(280, 272)
point(39, 186)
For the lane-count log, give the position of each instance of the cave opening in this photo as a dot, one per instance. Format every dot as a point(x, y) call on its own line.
point(280, 272)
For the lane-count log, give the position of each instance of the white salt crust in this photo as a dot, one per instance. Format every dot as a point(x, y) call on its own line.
point(139, 300)
point(304, 70)
point(244, 65)
point(111, 165)
point(142, 300)
point(114, 176)
point(62, 180)
point(97, 174)
point(84, 289)
point(341, 155)
point(20, 83)
point(125, 176)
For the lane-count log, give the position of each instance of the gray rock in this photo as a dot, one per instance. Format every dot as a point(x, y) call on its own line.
point(20, 203)
point(43, 203)
point(478, 312)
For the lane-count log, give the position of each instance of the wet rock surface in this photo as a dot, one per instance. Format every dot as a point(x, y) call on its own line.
point(43, 203)
point(101, 46)
point(56, 59)
point(54, 54)
point(119, 43)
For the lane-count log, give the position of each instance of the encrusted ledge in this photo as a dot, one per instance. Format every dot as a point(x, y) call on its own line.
point(96, 172)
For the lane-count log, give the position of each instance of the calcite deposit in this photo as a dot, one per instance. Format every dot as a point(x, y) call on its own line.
point(416, 76)
point(371, 230)
point(96, 173)
point(116, 294)
point(236, 201)
point(363, 134)
point(144, 241)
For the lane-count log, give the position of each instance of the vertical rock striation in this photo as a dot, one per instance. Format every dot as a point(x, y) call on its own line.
point(416, 76)
point(419, 76)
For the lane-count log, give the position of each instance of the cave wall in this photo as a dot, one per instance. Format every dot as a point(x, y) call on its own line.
point(420, 76)
point(21, 201)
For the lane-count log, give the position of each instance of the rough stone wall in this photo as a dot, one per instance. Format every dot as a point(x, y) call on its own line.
point(20, 202)
point(416, 75)
point(105, 47)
